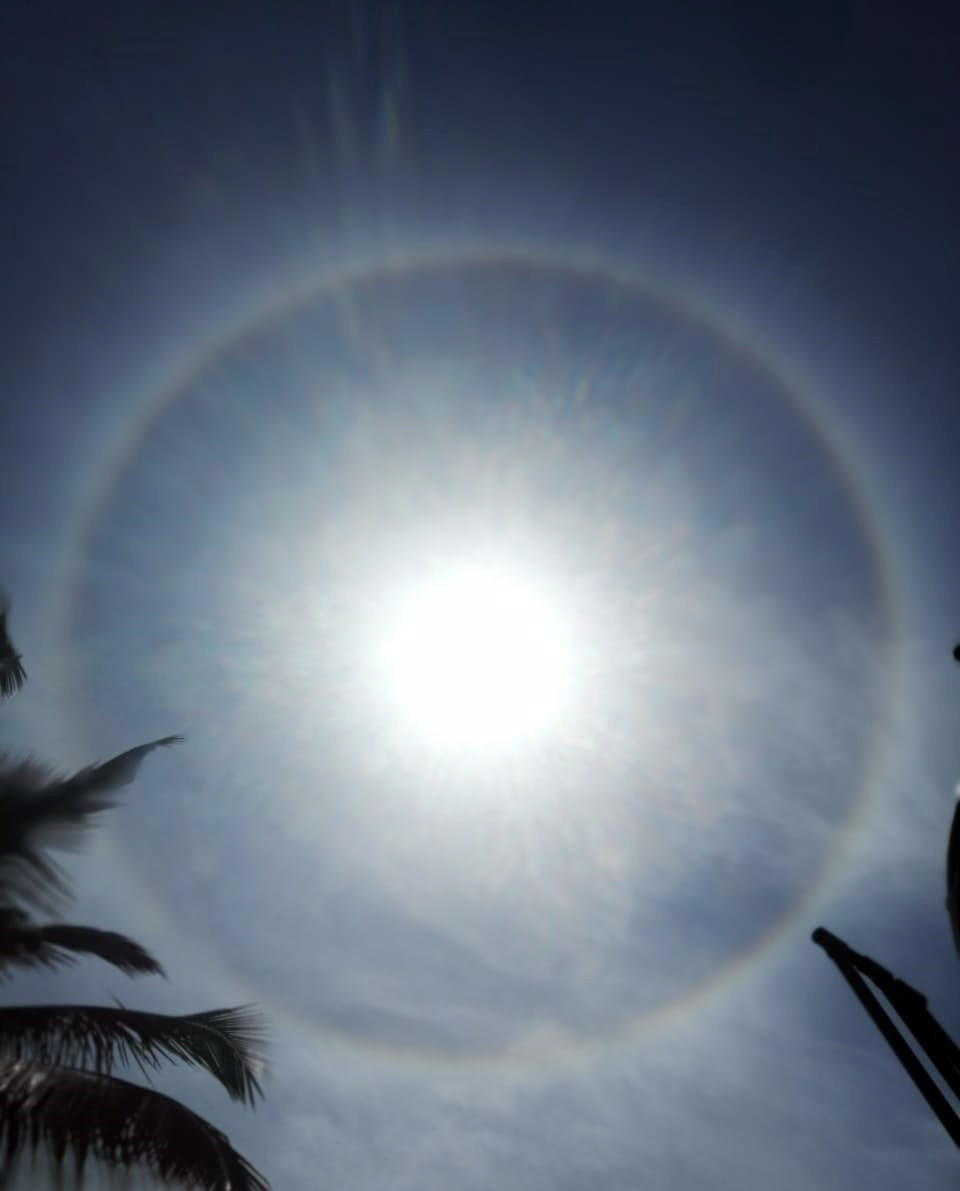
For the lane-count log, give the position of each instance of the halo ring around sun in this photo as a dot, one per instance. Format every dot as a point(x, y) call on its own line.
point(134, 433)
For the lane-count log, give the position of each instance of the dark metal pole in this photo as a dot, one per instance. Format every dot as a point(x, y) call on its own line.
point(848, 961)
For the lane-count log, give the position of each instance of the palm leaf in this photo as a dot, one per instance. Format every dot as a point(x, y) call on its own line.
point(12, 673)
point(90, 1114)
point(39, 810)
point(226, 1042)
point(28, 944)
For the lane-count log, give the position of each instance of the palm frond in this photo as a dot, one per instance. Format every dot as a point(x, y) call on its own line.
point(40, 810)
point(94, 1115)
point(229, 1043)
point(28, 944)
point(12, 673)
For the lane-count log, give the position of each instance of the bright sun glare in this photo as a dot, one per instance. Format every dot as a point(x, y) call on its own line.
point(478, 658)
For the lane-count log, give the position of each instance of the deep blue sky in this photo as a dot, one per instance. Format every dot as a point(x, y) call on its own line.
point(300, 300)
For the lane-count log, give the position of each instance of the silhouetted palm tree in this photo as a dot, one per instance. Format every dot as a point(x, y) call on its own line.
point(58, 1087)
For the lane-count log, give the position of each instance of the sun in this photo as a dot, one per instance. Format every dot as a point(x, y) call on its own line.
point(478, 658)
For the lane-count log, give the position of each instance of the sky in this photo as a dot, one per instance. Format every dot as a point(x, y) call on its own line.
point(649, 315)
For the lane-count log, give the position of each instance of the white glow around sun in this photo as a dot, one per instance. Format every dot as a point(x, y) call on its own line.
point(478, 658)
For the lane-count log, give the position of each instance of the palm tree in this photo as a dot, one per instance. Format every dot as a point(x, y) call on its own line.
point(58, 1083)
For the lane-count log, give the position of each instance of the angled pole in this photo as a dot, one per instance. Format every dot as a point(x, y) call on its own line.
point(911, 1006)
